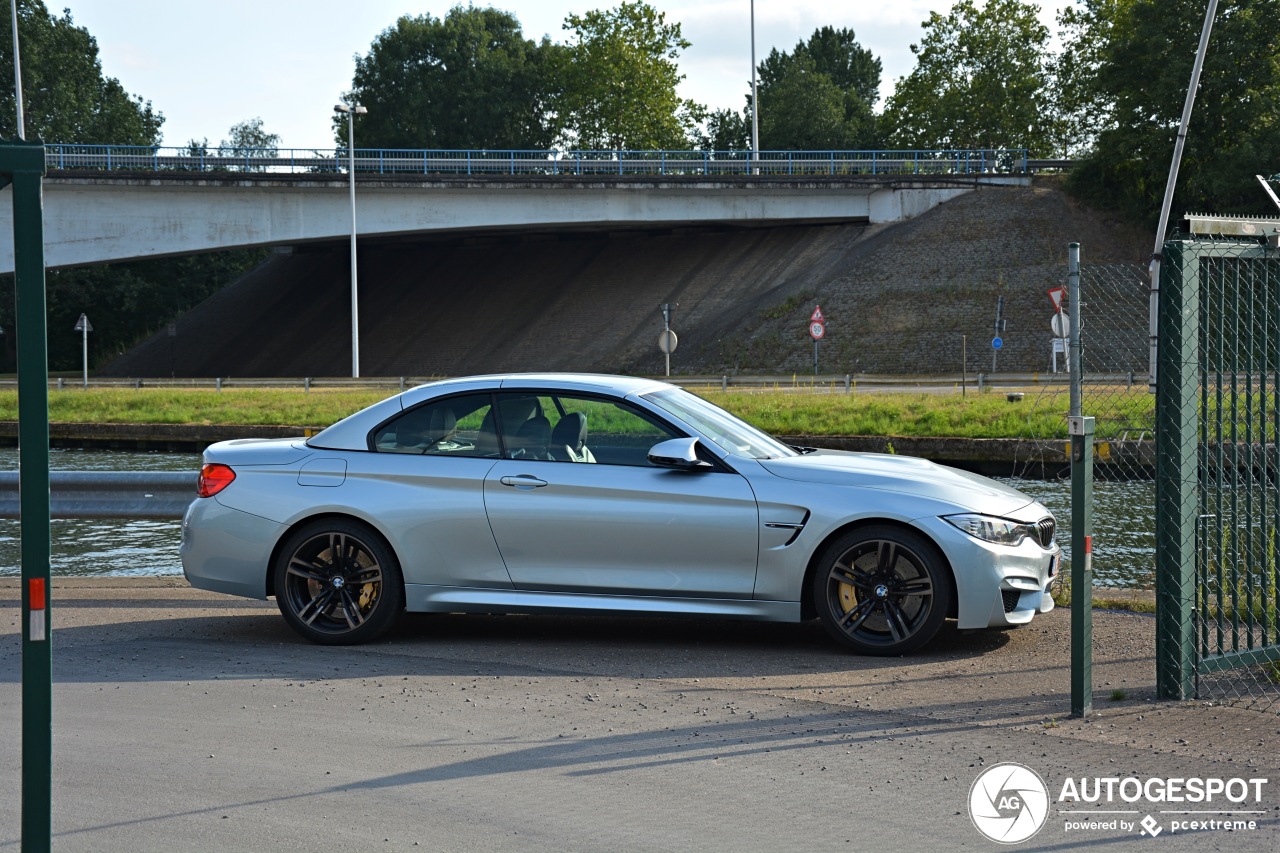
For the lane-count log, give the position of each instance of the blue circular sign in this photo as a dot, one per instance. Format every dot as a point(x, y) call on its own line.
point(996, 343)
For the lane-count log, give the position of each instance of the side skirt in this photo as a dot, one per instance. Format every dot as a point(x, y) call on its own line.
point(425, 598)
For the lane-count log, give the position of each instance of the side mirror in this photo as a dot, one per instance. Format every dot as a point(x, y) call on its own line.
point(678, 453)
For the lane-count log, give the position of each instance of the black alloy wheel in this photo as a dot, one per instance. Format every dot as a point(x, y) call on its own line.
point(337, 582)
point(882, 590)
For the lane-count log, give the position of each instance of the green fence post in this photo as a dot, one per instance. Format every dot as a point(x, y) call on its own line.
point(1080, 429)
point(24, 165)
point(1177, 428)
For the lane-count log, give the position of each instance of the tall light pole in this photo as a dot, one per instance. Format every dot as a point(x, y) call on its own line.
point(353, 110)
point(755, 92)
point(17, 73)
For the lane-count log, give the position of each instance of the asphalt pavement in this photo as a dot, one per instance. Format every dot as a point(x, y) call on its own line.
point(185, 720)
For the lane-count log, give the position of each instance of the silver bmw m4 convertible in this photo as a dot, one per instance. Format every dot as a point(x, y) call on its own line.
point(567, 493)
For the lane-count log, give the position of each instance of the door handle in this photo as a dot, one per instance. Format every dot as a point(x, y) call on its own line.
point(524, 482)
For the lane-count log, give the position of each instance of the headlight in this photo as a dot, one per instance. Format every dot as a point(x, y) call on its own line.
point(988, 528)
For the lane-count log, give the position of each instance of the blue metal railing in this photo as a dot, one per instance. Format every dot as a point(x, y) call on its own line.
point(128, 158)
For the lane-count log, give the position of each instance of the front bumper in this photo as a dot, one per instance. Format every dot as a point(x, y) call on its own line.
point(997, 586)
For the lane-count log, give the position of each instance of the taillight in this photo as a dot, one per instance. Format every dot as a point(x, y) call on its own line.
point(214, 477)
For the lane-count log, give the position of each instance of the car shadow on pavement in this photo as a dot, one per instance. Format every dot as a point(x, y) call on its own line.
point(258, 641)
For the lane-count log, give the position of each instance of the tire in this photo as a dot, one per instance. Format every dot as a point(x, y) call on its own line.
point(336, 602)
point(882, 590)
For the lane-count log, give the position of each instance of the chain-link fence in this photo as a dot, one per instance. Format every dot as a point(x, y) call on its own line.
point(1218, 470)
point(1218, 516)
point(1114, 338)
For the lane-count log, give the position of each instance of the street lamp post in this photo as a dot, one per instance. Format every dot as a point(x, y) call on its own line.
point(755, 92)
point(353, 110)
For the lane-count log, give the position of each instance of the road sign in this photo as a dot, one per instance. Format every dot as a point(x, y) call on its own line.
point(667, 341)
point(83, 324)
point(1060, 324)
point(1058, 295)
point(816, 316)
point(817, 330)
point(996, 343)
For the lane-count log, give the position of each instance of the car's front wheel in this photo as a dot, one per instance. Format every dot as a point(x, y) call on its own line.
point(337, 582)
point(882, 590)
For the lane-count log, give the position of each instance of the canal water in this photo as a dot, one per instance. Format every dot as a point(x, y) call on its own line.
point(110, 547)
point(1123, 520)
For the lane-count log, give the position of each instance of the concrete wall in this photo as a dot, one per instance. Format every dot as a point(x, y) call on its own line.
point(93, 219)
point(898, 298)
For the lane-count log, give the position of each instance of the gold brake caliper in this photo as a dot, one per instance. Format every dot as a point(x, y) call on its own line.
point(848, 597)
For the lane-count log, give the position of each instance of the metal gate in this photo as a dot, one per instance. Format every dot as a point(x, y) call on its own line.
point(1218, 464)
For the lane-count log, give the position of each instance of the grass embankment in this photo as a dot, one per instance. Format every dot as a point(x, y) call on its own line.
point(232, 407)
point(979, 415)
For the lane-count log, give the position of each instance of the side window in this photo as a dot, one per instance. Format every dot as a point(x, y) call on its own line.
point(555, 428)
point(458, 426)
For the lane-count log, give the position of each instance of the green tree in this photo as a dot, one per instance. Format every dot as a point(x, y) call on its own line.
point(850, 66)
point(726, 130)
point(618, 78)
point(66, 98)
point(1130, 96)
point(248, 140)
point(803, 110)
point(821, 95)
point(249, 137)
point(1082, 108)
point(981, 81)
point(467, 80)
point(126, 302)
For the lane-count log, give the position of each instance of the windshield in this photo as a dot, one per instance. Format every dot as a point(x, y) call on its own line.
point(731, 434)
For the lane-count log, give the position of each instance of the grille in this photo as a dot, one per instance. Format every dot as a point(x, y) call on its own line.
point(1010, 597)
point(1045, 528)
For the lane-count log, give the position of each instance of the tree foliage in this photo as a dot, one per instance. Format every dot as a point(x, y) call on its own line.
point(126, 302)
point(1138, 56)
point(249, 137)
point(66, 98)
point(618, 78)
point(467, 80)
point(981, 81)
point(726, 130)
point(821, 95)
point(472, 80)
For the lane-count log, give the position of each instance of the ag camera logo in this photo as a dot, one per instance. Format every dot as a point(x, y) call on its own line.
point(1009, 803)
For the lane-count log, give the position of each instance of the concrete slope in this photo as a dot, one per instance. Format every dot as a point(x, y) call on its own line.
point(898, 298)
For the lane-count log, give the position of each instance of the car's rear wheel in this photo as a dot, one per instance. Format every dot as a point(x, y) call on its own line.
point(337, 582)
point(882, 590)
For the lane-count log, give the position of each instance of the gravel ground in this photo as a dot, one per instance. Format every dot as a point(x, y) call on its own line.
point(187, 719)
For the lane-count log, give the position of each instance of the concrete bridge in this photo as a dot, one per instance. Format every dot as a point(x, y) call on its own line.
point(94, 216)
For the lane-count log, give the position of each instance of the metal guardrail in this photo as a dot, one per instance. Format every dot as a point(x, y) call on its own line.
point(108, 494)
point(131, 158)
point(740, 382)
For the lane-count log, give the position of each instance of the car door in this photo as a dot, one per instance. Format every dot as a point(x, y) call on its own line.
point(588, 513)
point(424, 482)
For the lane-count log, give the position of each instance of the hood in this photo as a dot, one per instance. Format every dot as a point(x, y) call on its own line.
point(905, 474)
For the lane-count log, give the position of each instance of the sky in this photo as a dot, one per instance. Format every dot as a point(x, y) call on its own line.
point(207, 67)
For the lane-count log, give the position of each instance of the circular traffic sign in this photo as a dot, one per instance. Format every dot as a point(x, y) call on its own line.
point(667, 341)
point(996, 343)
point(1061, 325)
point(817, 330)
